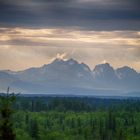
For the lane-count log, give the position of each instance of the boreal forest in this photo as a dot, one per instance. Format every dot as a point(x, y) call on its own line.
point(69, 118)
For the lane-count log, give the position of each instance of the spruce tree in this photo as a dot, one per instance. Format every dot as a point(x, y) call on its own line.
point(6, 124)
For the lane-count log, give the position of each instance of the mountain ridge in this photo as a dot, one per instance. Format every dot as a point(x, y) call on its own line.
point(70, 74)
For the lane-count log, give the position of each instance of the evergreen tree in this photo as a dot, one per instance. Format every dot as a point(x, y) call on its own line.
point(6, 130)
point(34, 130)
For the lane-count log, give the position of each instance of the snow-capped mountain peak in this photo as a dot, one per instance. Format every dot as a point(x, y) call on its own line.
point(62, 73)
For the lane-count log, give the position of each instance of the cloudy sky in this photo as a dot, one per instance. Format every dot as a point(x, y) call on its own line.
point(34, 32)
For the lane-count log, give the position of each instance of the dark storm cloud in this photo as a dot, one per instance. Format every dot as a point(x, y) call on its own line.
point(89, 14)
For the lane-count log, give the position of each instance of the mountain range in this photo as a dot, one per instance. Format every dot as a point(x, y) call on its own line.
point(71, 77)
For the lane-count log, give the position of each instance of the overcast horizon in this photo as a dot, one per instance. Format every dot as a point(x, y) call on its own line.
point(33, 33)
